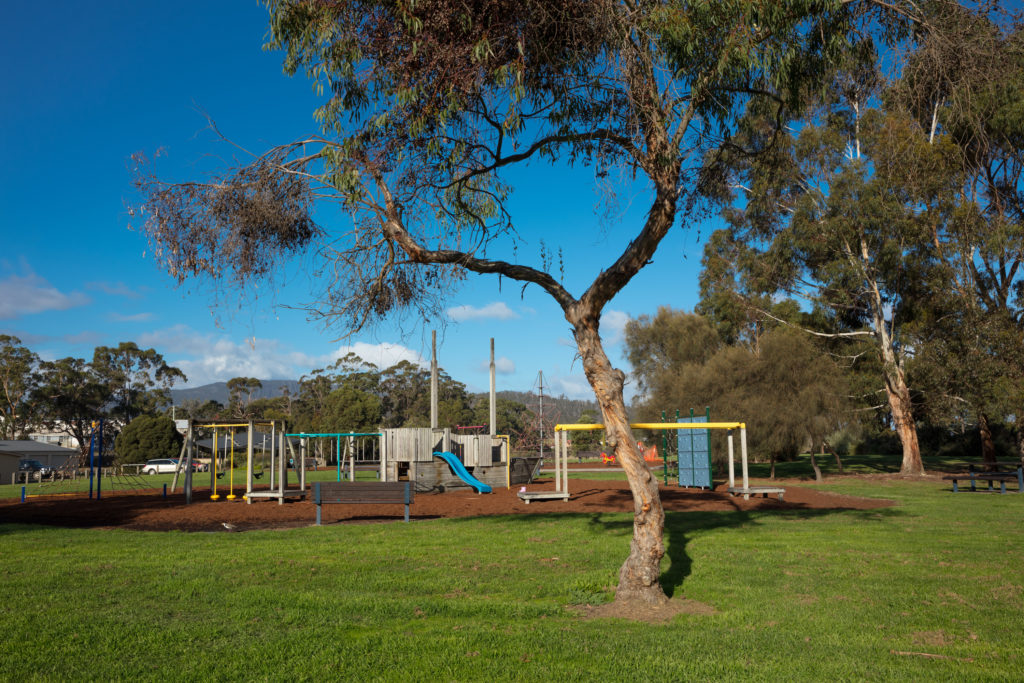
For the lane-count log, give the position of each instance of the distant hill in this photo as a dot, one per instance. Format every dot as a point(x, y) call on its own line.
point(568, 409)
point(218, 391)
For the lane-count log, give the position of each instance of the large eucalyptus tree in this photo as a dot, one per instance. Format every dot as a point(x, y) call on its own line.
point(428, 103)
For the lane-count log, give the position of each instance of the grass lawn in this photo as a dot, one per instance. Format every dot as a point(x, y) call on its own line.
point(798, 595)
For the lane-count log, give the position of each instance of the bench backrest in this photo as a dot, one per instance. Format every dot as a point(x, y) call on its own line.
point(362, 492)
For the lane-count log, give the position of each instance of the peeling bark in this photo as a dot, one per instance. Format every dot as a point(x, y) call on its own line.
point(639, 575)
point(906, 428)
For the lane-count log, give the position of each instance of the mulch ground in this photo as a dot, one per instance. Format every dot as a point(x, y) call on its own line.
point(152, 512)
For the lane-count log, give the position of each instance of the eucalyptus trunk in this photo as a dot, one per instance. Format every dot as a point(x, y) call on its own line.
point(988, 445)
point(638, 577)
point(900, 406)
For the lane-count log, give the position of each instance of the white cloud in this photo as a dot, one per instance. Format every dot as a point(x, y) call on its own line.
point(383, 355)
point(502, 366)
point(496, 310)
point(29, 293)
point(115, 289)
point(570, 386)
point(208, 358)
point(613, 327)
point(132, 318)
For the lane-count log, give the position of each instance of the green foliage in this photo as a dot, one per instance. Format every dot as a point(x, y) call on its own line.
point(240, 396)
point(584, 440)
point(18, 379)
point(786, 390)
point(147, 437)
point(137, 380)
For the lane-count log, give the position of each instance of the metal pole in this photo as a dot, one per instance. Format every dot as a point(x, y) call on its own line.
point(190, 436)
point(273, 452)
point(250, 437)
point(707, 416)
point(92, 446)
point(565, 464)
point(693, 459)
point(337, 448)
point(732, 471)
point(282, 470)
point(558, 461)
point(743, 453)
point(664, 448)
point(213, 470)
point(99, 474)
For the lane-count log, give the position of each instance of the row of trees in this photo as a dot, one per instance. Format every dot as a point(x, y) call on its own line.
point(888, 220)
point(119, 384)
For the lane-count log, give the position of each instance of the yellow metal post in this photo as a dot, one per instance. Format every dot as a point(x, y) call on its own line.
point(231, 474)
point(213, 470)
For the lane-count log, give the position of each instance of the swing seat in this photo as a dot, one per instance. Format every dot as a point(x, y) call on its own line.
point(257, 474)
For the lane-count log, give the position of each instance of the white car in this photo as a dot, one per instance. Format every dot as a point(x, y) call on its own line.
point(160, 466)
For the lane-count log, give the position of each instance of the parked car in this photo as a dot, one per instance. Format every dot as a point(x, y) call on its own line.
point(28, 465)
point(160, 466)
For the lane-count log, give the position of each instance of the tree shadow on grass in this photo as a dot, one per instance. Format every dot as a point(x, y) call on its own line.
point(680, 527)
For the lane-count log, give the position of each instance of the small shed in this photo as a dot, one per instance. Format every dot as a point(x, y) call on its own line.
point(48, 454)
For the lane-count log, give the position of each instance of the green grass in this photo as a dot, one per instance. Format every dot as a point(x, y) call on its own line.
point(799, 595)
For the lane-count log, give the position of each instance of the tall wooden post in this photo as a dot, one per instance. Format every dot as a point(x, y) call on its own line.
point(433, 379)
point(494, 410)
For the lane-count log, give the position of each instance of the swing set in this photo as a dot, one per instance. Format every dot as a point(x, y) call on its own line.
point(278, 465)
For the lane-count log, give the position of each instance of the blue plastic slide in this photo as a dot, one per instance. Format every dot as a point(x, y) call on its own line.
point(461, 472)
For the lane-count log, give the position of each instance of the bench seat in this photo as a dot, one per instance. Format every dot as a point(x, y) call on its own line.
point(362, 492)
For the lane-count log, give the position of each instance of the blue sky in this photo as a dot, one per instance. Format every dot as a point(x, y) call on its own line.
point(86, 85)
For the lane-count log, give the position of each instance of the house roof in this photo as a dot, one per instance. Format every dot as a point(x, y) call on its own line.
point(28, 448)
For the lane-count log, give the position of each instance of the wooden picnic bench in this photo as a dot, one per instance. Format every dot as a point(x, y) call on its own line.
point(991, 477)
point(362, 492)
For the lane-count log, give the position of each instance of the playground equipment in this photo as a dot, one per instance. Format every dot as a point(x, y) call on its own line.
point(562, 456)
point(475, 459)
point(462, 473)
point(693, 452)
point(746, 490)
point(350, 446)
point(279, 445)
point(561, 464)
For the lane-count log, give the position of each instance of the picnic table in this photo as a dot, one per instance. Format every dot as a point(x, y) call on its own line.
point(990, 477)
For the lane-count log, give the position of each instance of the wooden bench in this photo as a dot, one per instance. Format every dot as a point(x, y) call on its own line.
point(990, 477)
point(362, 492)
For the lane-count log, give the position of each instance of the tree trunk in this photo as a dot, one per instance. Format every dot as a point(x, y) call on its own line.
point(817, 470)
point(988, 446)
point(835, 454)
point(638, 577)
point(896, 390)
point(906, 428)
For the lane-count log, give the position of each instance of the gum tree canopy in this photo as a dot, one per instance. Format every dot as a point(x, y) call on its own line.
point(427, 103)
